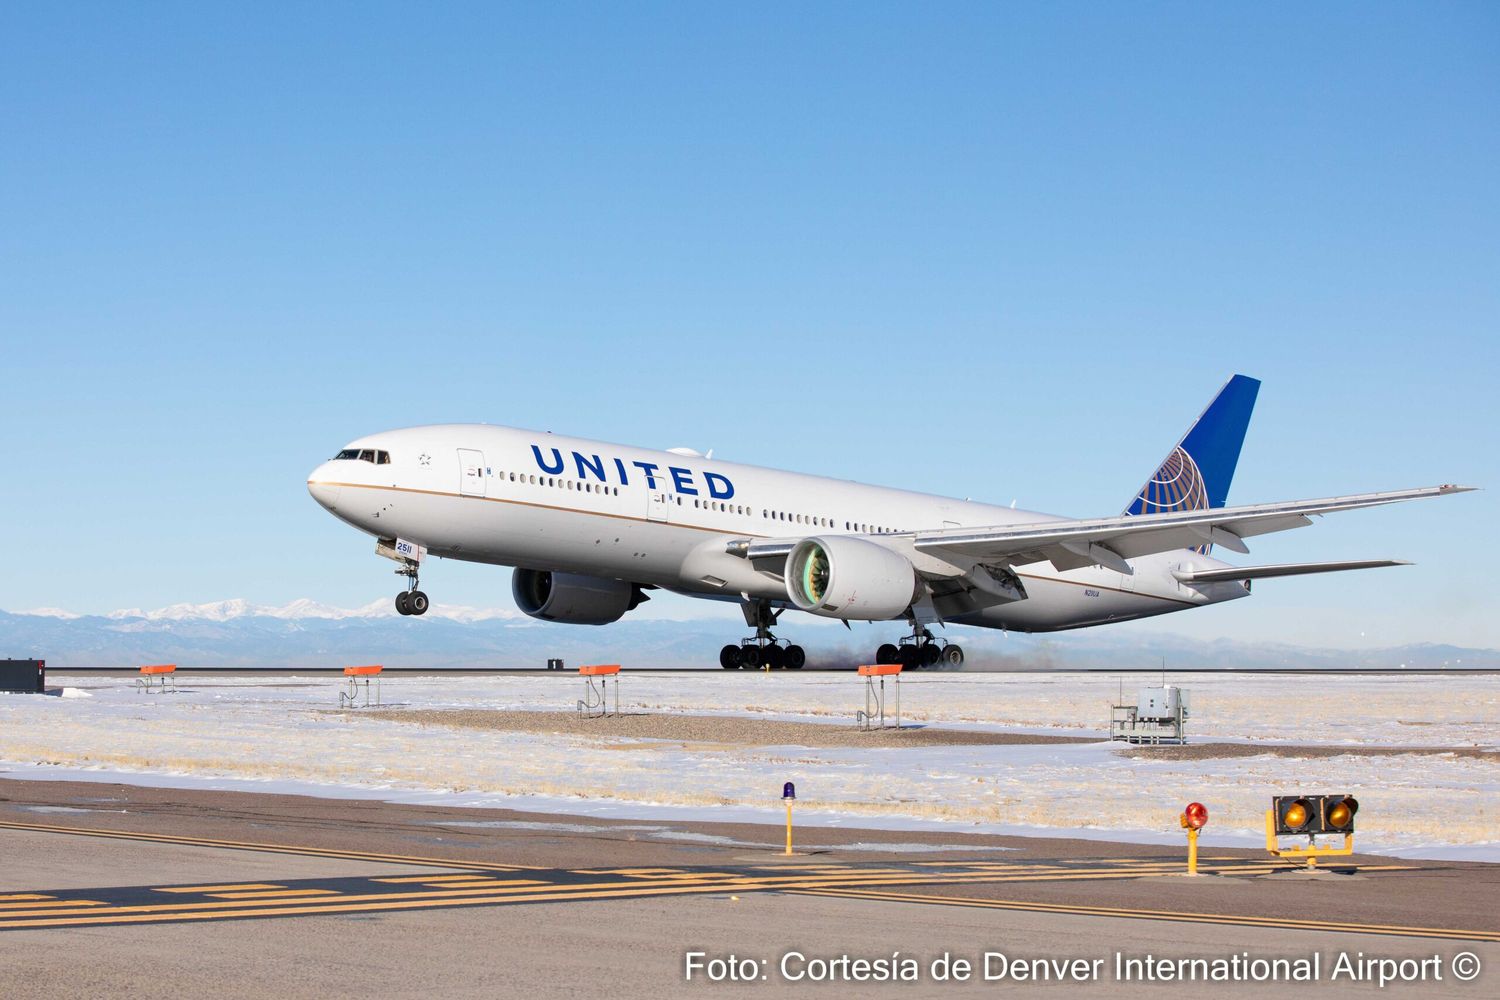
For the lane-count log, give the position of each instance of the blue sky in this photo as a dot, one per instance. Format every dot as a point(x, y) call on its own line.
point(996, 251)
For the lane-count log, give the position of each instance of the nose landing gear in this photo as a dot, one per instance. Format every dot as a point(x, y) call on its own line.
point(762, 649)
point(411, 601)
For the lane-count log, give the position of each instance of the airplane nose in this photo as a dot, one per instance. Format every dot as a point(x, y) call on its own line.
point(323, 487)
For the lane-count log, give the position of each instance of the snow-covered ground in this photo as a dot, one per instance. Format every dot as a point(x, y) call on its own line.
point(279, 734)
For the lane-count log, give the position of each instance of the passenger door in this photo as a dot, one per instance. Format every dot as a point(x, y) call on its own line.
point(656, 505)
point(470, 472)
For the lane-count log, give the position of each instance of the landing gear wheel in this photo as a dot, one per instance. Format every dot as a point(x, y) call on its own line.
point(729, 657)
point(417, 602)
point(750, 657)
point(775, 657)
point(953, 656)
point(908, 657)
point(886, 654)
point(402, 604)
point(930, 653)
point(795, 657)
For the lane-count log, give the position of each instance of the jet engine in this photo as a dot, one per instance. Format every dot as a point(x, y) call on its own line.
point(572, 598)
point(844, 577)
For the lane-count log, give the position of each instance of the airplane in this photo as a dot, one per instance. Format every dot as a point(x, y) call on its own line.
point(590, 527)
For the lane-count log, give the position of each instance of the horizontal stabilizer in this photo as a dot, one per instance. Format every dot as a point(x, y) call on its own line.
point(1132, 535)
point(1279, 569)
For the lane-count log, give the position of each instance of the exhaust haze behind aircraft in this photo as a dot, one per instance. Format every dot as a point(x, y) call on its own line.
point(590, 527)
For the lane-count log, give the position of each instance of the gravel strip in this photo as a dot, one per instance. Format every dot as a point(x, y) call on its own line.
point(702, 729)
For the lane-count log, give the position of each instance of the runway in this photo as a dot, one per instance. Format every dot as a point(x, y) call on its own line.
point(110, 887)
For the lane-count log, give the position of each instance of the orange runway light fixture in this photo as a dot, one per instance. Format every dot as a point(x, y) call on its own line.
point(359, 678)
point(873, 716)
point(157, 677)
point(597, 678)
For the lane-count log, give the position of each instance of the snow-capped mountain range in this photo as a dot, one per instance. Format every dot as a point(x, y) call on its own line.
point(302, 608)
point(308, 633)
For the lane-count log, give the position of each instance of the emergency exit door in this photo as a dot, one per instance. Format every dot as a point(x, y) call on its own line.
point(470, 472)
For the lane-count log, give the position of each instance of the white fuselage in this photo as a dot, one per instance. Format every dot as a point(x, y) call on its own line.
point(542, 501)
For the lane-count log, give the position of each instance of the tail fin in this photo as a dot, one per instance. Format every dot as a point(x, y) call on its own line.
point(1196, 475)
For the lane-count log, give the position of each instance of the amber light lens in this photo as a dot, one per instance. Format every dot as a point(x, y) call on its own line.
point(1342, 813)
point(1296, 815)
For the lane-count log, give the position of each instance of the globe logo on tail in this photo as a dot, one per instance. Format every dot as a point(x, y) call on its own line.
point(1177, 485)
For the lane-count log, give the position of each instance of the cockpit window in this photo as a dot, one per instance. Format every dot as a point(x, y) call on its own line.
point(364, 455)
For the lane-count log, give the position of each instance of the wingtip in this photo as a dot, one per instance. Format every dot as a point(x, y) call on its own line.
point(1455, 488)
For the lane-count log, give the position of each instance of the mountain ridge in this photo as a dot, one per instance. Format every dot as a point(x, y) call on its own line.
point(309, 633)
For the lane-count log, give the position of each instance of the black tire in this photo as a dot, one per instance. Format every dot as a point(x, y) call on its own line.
point(886, 654)
point(401, 603)
point(796, 657)
point(953, 656)
point(750, 658)
point(931, 653)
point(775, 656)
point(418, 602)
point(729, 657)
point(908, 657)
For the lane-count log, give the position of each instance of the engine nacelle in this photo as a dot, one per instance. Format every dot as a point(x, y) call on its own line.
point(572, 598)
point(844, 577)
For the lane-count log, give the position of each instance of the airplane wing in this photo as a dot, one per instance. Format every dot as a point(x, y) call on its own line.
point(1110, 541)
point(1279, 569)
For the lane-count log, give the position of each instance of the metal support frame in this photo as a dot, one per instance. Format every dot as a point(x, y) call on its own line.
point(1126, 726)
point(359, 679)
point(1311, 853)
point(159, 679)
point(597, 681)
point(875, 697)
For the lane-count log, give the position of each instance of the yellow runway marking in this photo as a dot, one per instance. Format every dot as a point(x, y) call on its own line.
point(460, 883)
point(276, 894)
point(244, 886)
point(269, 848)
point(528, 891)
point(1240, 920)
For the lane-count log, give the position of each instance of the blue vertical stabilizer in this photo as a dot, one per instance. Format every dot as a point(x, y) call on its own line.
point(1197, 473)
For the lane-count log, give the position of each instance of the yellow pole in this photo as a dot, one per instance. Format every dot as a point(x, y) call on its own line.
point(788, 827)
point(1192, 851)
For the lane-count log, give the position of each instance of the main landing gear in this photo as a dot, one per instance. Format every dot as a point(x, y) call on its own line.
point(411, 601)
point(762, 649)
point(921, 649)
